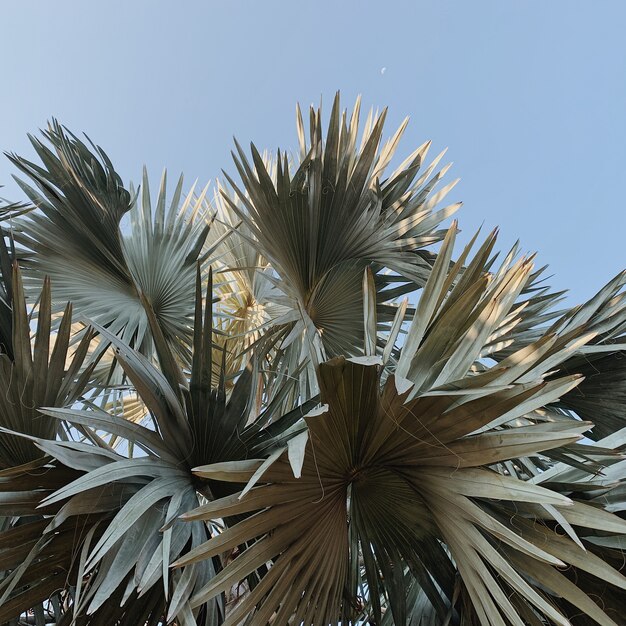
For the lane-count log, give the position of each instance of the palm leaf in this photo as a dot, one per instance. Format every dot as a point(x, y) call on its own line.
point(388, 470)
point(321, 225)
point(78, 240)
point(32, 374)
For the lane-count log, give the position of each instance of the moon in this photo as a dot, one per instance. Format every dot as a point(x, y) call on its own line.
point(383, 70)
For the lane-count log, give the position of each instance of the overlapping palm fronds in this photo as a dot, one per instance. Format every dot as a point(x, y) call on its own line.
point(601, 397)
point(127, 548)
point(601, 361)
point(249, 302)
point(33, 373)
point(411, 480)
point(294, 445)
point(9, 210)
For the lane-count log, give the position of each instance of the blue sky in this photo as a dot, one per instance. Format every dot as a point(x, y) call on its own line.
point(529, 97)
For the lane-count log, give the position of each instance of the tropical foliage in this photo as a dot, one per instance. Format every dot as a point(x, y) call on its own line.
point(297, 402)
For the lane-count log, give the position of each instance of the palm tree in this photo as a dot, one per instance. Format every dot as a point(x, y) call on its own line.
point(296, 404)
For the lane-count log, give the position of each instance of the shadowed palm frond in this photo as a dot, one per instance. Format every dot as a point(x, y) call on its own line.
point(6, 298)
point(135, 501)
point(35, 374)
point(9, 210)
point(35, 370)
point(601, 397)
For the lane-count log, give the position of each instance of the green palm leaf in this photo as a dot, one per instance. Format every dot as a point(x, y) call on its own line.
point(78, 240)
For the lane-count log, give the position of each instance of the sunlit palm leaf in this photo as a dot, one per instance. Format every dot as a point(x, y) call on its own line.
point(601, 398)
point(600, 360)
point(249, 301)
point(321, 225)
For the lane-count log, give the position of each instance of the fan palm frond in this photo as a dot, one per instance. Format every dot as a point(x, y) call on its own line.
point(601, 397)
point(321, 225)
point(6, 299)
point(9, 210)
point(33, 373)
point(249, 301)
point(77, 240)
point(412, 478)
point(600, 360)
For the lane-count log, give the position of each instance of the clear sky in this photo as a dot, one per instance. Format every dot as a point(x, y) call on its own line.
point(529, 96)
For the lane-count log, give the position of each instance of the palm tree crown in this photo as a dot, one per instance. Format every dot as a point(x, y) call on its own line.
point(296, 402)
